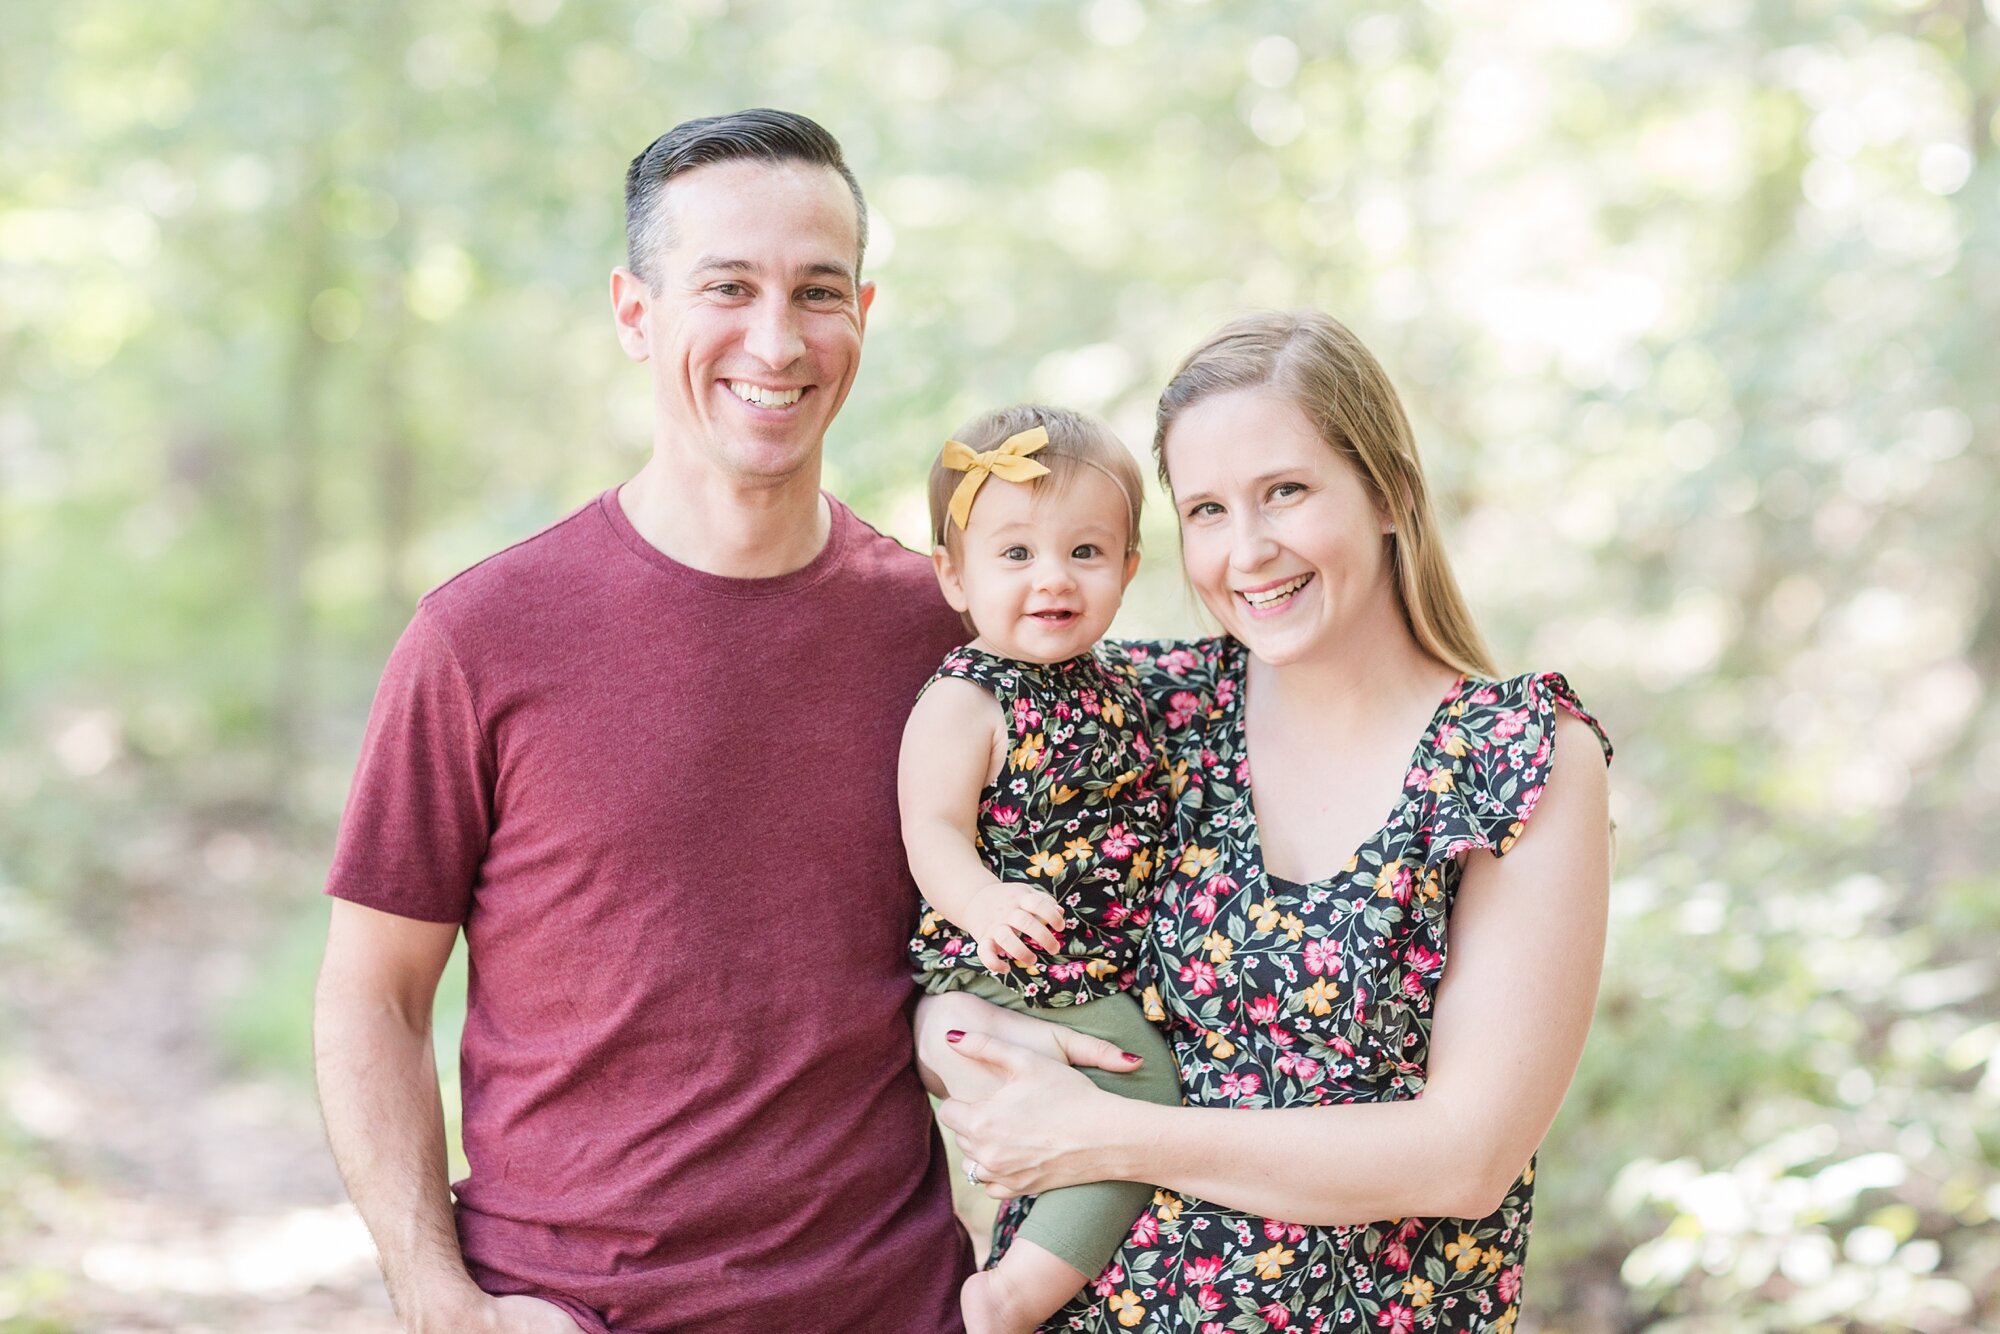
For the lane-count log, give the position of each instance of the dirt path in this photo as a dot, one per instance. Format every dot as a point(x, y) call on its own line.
point(163, 1189)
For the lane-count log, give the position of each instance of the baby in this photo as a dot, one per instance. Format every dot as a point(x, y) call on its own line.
point(1030, 814)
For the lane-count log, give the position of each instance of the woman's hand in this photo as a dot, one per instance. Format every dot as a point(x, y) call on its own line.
point(948, 1073)
point(1041, 1124)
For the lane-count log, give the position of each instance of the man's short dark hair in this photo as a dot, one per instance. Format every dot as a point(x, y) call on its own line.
point(759, 134)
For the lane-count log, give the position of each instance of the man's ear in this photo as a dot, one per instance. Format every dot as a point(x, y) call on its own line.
point(865, 295)
point(631, 312)
point(949, 582)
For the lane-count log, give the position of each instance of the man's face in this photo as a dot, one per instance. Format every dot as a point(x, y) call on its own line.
point(754, 333)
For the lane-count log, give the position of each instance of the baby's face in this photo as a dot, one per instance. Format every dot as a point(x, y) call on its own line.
point(1041, 567)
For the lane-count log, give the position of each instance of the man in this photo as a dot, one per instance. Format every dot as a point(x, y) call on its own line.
point(646, 760)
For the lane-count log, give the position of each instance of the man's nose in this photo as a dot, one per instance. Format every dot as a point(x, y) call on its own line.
point(774, 336)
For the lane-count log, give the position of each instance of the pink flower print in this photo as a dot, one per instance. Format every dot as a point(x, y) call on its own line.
point(1397, 1319)
point(1418, 776)
point(1141, 916)
point(1243, 768)
point(1178, 663)
point(1110, 1280)
point(1181, 706)
point(1397, 1254)
point(1264, 1009)
point(1423, 958)
point(1088, 699)
point(1225, 691)
point(1064, 711)
point(1119, 842)
point(1241, 1086)
point(1202, 906)
point(1279, 1230)
point(1115, 915)
point(1208, 1299)
point(1413, 987)
point(1276, 1316)
point(1542, 751)
point(1512, 722)
point(1067, 971)
point(1529, 800)
point(1140, 747)
point(1006, 814)
point(1484, 695)
point(1360, 1004)
point(1146, 1230)
point(1026, 715)
point(1405, 880)
point(1322, 956)
point(1204, 1269)
point(952, 947)
point(1199, 974)
point(1510, 1283)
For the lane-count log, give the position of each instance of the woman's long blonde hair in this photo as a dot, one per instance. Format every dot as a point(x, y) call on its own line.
point(1317, 362)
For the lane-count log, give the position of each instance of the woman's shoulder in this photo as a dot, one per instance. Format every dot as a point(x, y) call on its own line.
point(1516, 715)
point(1492, 755)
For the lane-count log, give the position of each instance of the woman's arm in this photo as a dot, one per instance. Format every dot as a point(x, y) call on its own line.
point(948, 1074)
point(946, 760)
point(1527, 944)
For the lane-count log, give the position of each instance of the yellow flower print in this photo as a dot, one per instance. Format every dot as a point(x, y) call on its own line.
point(1079, 848)
point(1142, 863)
point(1507, 843)
point(1149, 1003)
point(1126, 1307)
point(1505, 1324)
point(1352, 862)
point(1099, 967)
point(1431, 885)
point(1063, 793)
point(1220, 1045)
point(929, 926)
point(1492, 1258)
point(1419, 1291)
point(1528, 1177)
point(1045, 863)
point(1272, 1262)
point(1195, 859)
point(1167, 1205)
point(1465, 1250)
point(1265, 915)
point(1028, 755)
point(1218, 947)
point(1293, 927)
point(1177, 777)
point(1319, 997)
point(1440, 781)
point(1385, 879)
point(1120, 783)
point(1114, 713)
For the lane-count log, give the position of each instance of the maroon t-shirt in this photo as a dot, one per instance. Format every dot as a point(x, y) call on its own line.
point(663, 805)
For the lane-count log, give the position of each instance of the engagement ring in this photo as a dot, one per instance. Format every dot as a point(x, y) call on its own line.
point(971, 1173)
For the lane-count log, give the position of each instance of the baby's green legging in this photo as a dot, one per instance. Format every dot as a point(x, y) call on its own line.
point(1085, 1225)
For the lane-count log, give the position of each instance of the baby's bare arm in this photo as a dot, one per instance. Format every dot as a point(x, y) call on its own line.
point(946, 761)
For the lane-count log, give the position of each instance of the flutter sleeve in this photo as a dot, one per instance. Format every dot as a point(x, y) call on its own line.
point(1500, 740)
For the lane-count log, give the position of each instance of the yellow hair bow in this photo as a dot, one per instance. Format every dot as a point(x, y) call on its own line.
point(1008, 461)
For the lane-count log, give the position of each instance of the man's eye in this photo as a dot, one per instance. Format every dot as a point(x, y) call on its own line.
point(822, 296)
point(730, 289)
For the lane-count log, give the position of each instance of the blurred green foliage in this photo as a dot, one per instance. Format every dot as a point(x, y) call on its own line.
point(1695, 304)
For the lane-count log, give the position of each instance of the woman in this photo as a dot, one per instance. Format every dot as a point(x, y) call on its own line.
point(1297, 960)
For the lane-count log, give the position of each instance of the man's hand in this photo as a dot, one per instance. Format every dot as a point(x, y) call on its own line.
point(1006, 919)
point(530, 1315)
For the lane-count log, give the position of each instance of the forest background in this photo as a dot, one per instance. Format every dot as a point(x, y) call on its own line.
point(302, 309)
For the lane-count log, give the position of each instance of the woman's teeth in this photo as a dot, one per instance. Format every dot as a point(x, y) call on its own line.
point(764, 398)
point(1271, 596)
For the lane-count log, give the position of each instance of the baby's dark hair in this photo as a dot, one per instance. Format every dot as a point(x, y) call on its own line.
point(1076, 441)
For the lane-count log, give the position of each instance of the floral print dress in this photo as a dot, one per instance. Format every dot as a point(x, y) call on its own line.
point(1075, 810)
point(1275, 994)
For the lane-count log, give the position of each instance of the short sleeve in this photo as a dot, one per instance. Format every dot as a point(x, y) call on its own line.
point(1501, 739)
point(419, 812)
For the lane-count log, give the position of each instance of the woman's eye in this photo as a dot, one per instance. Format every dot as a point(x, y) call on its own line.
point(1088, 551)
point(1203, 509)
point(1286, 490)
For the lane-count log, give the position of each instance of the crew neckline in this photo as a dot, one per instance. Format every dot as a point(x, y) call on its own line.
point(840, 523)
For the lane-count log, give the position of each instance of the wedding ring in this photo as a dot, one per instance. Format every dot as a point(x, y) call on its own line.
point(972, 1173)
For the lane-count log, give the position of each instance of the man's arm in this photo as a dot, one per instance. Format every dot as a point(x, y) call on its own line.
point(378, 1089)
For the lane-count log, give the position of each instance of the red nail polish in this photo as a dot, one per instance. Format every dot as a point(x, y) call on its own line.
point(1128, 1056)
point(953, 1034)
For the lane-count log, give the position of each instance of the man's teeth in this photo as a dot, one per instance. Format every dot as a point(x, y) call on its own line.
point(764, 398)
point(1270, 595)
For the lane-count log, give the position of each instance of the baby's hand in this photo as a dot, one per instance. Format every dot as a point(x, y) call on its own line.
point(1008, 919)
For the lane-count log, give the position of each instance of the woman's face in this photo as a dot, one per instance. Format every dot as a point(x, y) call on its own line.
point(1282, 541)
